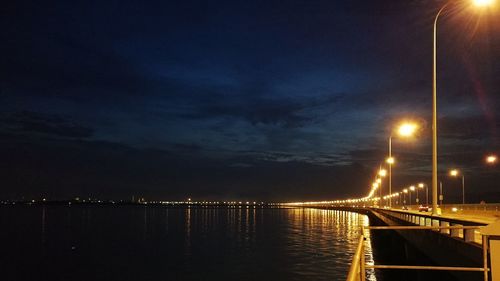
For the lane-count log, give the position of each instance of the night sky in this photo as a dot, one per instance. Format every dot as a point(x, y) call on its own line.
point(251, 100)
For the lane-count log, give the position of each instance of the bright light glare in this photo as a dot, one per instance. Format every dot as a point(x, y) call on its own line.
point(412, 188)
point(390, 160)
point(491, 159)
point(382, 173)
point(421, 185)
point(454, 173)
point(407, 129)
point(483, 3)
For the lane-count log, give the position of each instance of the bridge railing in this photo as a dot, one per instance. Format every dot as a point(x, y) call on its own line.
point(357, 270)
point(462, 231)
point(490, 208)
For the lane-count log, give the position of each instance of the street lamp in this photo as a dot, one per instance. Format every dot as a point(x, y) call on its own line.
point(422, 185)
point(412, 188)
point(382, 172)
point(482, 3)
point(435, 209)
point(417, 200)
point(404, 196)
point(405, 129)
point(379, 186)
point(491, 159)
point(456, 173)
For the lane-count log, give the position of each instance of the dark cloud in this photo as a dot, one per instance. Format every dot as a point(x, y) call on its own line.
point(238, 98)
point(256, 107)
point(468, 127)
point(277, 112)
point(46, 124)
point(187, 147)
point(66, 168)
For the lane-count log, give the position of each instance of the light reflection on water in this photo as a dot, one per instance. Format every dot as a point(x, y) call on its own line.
point(150, 243)
point(326, 240)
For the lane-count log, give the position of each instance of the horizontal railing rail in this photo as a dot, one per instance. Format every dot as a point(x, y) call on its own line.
point(465, 230)
point(424, 267)
point(357, 270)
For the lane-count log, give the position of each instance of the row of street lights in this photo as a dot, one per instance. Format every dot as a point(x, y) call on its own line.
point(490, 159)
point(435, 209)
point(408, 129)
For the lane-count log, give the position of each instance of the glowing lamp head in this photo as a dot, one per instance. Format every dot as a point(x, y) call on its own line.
point(405, 190)
point(382, 173)
point(491, 159)
point(412, 188)
point(421, 185)
point(390, 160)
point(407, 129)
point(379, 180)
point(483, 3)
point(454, 173)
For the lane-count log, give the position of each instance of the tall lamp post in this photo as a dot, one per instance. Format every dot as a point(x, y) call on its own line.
point(435, 209)
point(422, 185)
point(404, 196)
point(379, 182)
point(381, 173)
point(417, 200)
point(406, 129)
point(456, 173)
point(412, 188)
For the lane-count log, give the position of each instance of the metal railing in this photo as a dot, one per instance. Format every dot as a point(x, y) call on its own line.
point(452, 208)
point(357, 270)
point(462, 230)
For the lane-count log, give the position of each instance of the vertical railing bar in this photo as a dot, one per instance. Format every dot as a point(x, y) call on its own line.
point(358, 267)
point(363, 261)
point(362, 256)
point(485, 257)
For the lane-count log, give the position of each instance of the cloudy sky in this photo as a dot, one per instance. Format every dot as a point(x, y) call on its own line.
point(263, 100)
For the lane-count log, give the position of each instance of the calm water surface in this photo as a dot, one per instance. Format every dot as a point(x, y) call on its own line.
point(154, 243)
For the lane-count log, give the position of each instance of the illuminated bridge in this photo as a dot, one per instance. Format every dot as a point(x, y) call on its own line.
point(463, 239)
